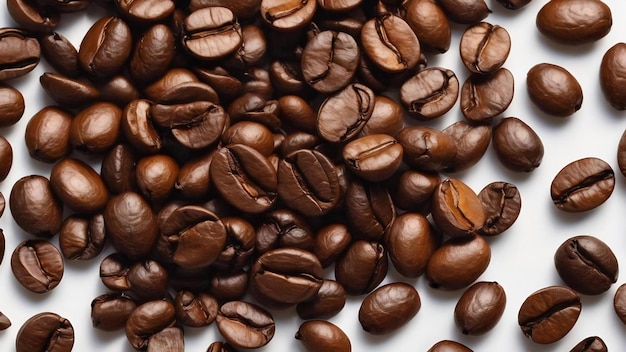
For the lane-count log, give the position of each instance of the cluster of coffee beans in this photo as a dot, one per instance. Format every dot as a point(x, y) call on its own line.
point(228, 161)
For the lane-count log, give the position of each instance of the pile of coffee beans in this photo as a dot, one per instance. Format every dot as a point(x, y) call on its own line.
point(231, 165)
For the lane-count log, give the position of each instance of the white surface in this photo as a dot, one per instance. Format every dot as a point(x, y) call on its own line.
point(522, 258)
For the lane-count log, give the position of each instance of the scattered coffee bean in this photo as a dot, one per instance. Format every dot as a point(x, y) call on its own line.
point(21, 54)
point(502, 204)
point(410, 242)
point(465, 11)
point(430, 93)
point(574, 22)
point(47, 134)
point(485, 48)
point(320, 336)
point(82, 237)
point(484, 97)
point(245, 325)
point(148, 320)
point(554, 90)
point(457, 263)
point(388, 308)
point(619, 303)
point(590, 344)
point(6, 158)
point(480, 308)
point(613, 76)
point(12, 105)
point(517, 145)
point(448, 346)
point(5, 323)
point(78, 186)
point(110, 311)
point(456, 209)
point(45, 331)
point(35, 207)
point(37, 265)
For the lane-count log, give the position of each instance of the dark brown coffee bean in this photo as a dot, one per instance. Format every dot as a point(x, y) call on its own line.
point(193, 177)
point(136, 125)
point(45, 332)
point(21, 53)
point(245, 325)
point(430, 93)
point(5, 323)
point(287, 16)
point(296, 141)
point(458, 263)
point(254, 107)
point(47, 134)
point(283, 228)
point(96, 129)
point(414, 189)
point(369, 209)
point(66, 6)
point(226, 287)
point(81, 237)
point(148, 279)
point(582, 185)
point(480, 308)
point(362, 267)
point(68, 92)
point(148, 320)
point(6, 158)
point(574, 22)
point(327, 302)
point(321, 335)
point(390, 43)
point(388, 308)
point(105, 47)
point(61, 54)
point(156, 176)
point(239, 246)
point(118, 169)
point(110, 311)
point(548, 314)
point(387, 118)
point(448, 346)
point(131, 225)
point(219, 346)
point(330, 242)
point(465, 11)
point(590, 344)
point(170, 79)
point(472, 142)
point(119, 90)
point(430, 25)
point(619, 303)
point(145, 11)
point(374, 157)
point(427, 149)
point(114, 272)
point(484, 97)
point(502, 204)
point(514, 4)
point(343, 115)
point(35, 207)
point(11, 105)
point(167, 340)
point(252, 134)
point(37, 265)
point(485, 47)
point(78, 186)
point(296, 111)
point(252, 51)
point(410, 242)
point(613, 76)
point(554, 90)
point(153, 53)
point(195, 310)
point(456, 209)
point(517, 145)
point(31, 16)
point(211, 33)
point(586, 264)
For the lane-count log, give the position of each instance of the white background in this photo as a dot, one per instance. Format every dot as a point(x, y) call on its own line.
point(522, 257)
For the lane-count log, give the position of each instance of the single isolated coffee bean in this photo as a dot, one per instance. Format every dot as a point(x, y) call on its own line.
point(449, 346)
point(586, 264)
point(110, 311)
point(502, 204)
point(457, 263)
point(45, 331)
point(613, 76)
point(388, 308)
point(6, 158)
point(322, 336)
point(590, 344)
point(21, 53)
point(480, 308)
point(245, 325)
point(484, 97)
point(37, 265)
point(554, 90)
point(485, 47)
point(517, 145)
point(575, 22)
point(619, 303)
point(582, 185)
point(35, 207)
point(548, 314)
point(456, 209)
point(430, 93)
point(12, 105)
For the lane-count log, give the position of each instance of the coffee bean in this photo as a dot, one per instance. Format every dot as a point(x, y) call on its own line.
point(11, 105)
point(21, 54)
point(32, 16)
point(136, 125)
point(169, 339)
point(612, 75)
point(330, 242)
point(105, 47)
point(296, 141)
point(484, 97)
point(590, 344)
point(118, 169)
point(206, 27)
point(78, 186)
point(362, 267)
point(245, 325)
point(369, 209)
point(147, 320)
point(619, 303)
point(410, 242)
point(556, 20)
point(320, 335)
point(548, 314)
point(430, 24)
point(146, 11)
point(472, 142)
point(37, 265)
point(81, 237)
point(388, 308)
point(414, 189)
point(343, 115)
point(514, 4)
point(156, 176)
point(448, 346)
point(153, 52)
point(6, 158)
point(114, 271)
point(502, 204)
point(517, 145)
point(2, 245)
point(289, 16)
point(148, 279)
point(485, 47)
point(61, 54)
point(119, 90)
point(296, 111)
point(427, 149)
point(256, 108)
point(554, 90)
point(228, 287)
point(220, 347)
point(456, 209)
point(47, 134)
point(374, 158)
point(66, 6)
point(110, 311)
point(430, 93)
point(586, 264)
point(480, 308)
point(240, 241)
point(195, 310)
point(252, 134)
point(96, 129)
point(68, 92)
point(45, 331)
point(327, 302)
point(390, 43)
point(35, 207)
point(387, 118)
point(283, 228)
point(457, 263)
point(5, 323)
point(582, 185)
point(465, 11)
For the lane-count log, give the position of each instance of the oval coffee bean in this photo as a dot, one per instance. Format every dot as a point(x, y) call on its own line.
point(68, 92)
point(374, 158)
point(410, 242)
point(11, 105)
point(330, 242)
point(554, 90)
point(79, 186)
point(105, 47)
point(430, 93)
point(6, 158)
point(390, 43)
point(387, 118)
point(430, 24)
point(2, 244)
point(343, 115)
point(37, 265)
point(146, 11)
point(485, 47)
point(448, 346)
point(61, 54)
point(465, 11)
point(5, 323)
point(619, 303)
point(472, 142)
point(502, 205)
point(118, 169)
point(586, 264)
point(286, 16)
point(388, 308)
point(195, 310)
point(480, 308)
point(574, 22)
point(110, 311)
point(457, 263)
point(35, 207)
point(21, 53)
point(245, 325)
point(82, 238)
point(147, 320)
point(322, 336)
point(211, 33)
point(613, 76)
point(32, 16)
point(153, 53)
point(156, 176)
point(327, 302)
point(362, 267)
point(548, 314)
point(47, 134)
point(148, 279)
point(484, 97)
point(369, 209)
point(45, 332)
point(582, 185)
point(590, 344)
point(96, 128)
point(219, 346)
point(456, 209)
point(427, 149)
point(517, 145)
point(414, 190)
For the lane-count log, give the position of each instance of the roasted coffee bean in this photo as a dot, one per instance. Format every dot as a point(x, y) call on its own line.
point(554, 90)
point(114, 271)
point(374, 158)
point(613, 76)
point(82, 237)
point(193, 177)
point(245, 325)
point(410, 242)
point(430, 93)
point(145, 11)
point(5, 323)
point(330, 242)
point(193, 236)
point(66, 6)
point(414, 189)
point(148, 279)
point(147, 320)
point(362, 267)
point(226, 287)
point(195, 310)
point(110, 311)
point(118, 169)
point(6, 158)
point(484, 97)
point(12, 105)
point(456, 209)
point(430, 25)
point(21, 53)
point(502, 204)
point(327, 302)
point(288, 79)
point(448, 346)
point(296, 141)
point(257, 81)
point(369, 209)
point(590, 344)
point(427, 149)
point(170, 79)
point(388, 308)
point(517, 145)
point(472, 142)
point(105, 47)
point(254, 107)
point(96, 129)
point(211, 33)
point(156, 176)
point(485, 47)
point(68, 92)
point(167, 340)
point(78, 186)
point(480, 308)
point(288, 16)
point(61, 54)
point(244, 177)
point(252, 134)
point(31, 16)
point(329, 61)
point(45, 332)
point(219, 346)
point(252, 51)
point(465, 11)
point(283, 228)
point(390, 43)
point(131, 225)
point(47, 134)
point(387, 118)
point(153, 53)
point(339, 6)
point(119, 90)
point(574, 22)
point(136, 125)
point(458, 263)
point(586, 264)
point(548, 314)
point(37, 265)
point(239, 246)
point(343, 115)
point(582, 185)
point(296, 111)
point(619, 303)
point(321, 335)
point(35, 207)
point(514, 4)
